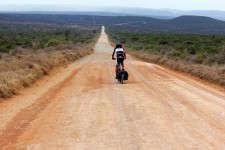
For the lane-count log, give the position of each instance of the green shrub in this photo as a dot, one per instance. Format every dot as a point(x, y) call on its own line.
point(206, 49)
point(41, 36)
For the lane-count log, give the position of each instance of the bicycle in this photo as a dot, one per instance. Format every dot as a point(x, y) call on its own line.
point(121, 73)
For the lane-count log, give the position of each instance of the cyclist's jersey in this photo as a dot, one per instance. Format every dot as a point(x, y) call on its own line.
point(119, 53)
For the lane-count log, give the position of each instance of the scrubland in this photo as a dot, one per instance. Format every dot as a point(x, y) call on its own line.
point(28, 52)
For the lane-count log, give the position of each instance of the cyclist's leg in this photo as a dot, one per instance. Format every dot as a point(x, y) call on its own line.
point(122, 63)
point(117, 66)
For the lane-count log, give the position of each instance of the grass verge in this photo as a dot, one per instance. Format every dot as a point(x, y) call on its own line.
point(214, 74)
point(23, 67)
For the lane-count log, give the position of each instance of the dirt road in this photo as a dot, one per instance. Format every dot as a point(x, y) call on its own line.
point(82, 107)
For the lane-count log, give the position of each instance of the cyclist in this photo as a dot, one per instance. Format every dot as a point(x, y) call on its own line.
point(120, 56)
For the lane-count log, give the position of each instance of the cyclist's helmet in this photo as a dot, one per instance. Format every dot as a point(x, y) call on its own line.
point(119, 46)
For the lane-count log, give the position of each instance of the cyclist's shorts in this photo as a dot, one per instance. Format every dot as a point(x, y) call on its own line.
point(120, 61)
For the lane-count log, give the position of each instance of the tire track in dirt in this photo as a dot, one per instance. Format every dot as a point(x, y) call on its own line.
point(170, 97)
point(22, 120)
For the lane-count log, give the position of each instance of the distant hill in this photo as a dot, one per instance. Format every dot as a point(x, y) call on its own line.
point(195, 19)
point(198, 24)
point(112, 11)
point(182, 24)
point(164, 13)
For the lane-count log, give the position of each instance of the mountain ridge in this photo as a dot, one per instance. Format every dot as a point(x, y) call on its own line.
point(182, 24)
point(129, 11)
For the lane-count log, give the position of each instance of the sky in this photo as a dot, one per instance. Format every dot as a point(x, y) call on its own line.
point(90, 4)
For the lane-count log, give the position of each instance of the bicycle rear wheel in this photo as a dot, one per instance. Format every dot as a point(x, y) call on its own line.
point(122, 79)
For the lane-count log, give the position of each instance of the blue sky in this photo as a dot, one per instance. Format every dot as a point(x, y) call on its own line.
point(82, 4)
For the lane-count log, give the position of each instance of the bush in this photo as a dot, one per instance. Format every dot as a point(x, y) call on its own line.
point(42, 36)
point(200, 49)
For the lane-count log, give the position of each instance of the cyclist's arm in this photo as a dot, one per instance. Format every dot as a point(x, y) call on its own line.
point(113, 54)
point(125, 56)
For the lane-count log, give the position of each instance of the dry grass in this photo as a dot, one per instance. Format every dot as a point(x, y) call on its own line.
point(23, 67)
point(214, 73)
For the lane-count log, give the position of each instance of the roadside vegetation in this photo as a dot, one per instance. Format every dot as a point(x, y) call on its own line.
point(200, 55)
point(27, 52)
